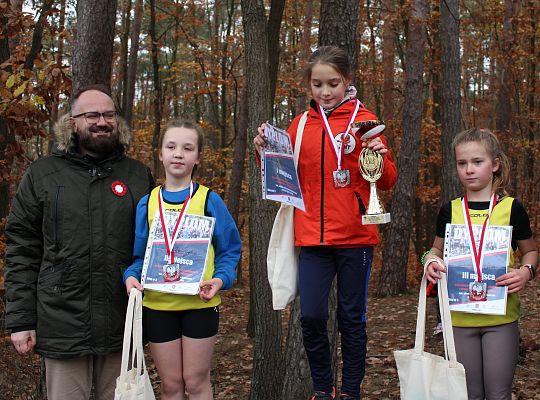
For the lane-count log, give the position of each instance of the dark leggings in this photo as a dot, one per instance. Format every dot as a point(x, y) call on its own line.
point(317, 268)
point(489, 356)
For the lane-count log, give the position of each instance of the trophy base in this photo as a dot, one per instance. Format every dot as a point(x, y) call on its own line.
point(375, 219)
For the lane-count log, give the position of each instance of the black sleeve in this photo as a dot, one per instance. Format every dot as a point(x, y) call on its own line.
point(444, 217)
point(519, 219)
point(24, 252)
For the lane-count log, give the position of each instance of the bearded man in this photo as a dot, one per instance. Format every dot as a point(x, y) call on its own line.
point(69, 238)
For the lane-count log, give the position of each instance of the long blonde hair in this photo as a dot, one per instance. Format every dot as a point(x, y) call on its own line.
point(501, 177)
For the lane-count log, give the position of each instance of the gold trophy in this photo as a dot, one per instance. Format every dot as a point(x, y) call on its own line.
point(371, 164)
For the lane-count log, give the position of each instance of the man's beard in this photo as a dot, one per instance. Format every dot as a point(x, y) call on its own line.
point(100, 146)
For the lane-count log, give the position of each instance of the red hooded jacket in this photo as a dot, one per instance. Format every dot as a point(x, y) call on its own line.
point(333, 216)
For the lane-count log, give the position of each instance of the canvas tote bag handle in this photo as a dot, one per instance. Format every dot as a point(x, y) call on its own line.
point(448, 334)
point(299, 134)
point(446, 317)
point(133, 335)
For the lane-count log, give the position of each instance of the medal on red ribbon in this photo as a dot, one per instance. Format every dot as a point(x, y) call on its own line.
point(171, 270)
point(119, 188)
point(477, 288)
point(341, 177)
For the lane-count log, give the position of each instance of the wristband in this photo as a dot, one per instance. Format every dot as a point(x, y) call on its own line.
point(532, 270)
point(423, 256)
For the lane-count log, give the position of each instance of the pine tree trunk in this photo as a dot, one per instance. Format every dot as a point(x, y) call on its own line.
point(297, 383)
point(267, 374)
point(301, 101)
point(132, 65)
point(450, 95)
point(338, 22)
point(238, 165)
point(503, 107)
point(157, 88)
point(5, 136)
point(396, 244)
point(59, 58)
point(123, 56)
point(388, 72)
point(274, 27)
point(93, 50)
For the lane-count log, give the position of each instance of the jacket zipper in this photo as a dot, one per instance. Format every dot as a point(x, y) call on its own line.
point(56, 222)
point(92, 173)
point(322, 188)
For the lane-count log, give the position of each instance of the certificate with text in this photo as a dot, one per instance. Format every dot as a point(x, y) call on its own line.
point(279, 176)
point(184, 274)
point(462, 273)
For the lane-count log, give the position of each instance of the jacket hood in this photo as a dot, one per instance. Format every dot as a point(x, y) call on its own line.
point(63, 133)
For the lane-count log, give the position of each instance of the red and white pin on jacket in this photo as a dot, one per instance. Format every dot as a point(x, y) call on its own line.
point(119, 188)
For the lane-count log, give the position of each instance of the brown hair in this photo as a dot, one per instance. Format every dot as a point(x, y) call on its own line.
point(184, 123)
point(501, 177)
point(332, 55)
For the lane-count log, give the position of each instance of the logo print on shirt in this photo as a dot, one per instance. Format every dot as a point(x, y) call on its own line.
point(348, 141)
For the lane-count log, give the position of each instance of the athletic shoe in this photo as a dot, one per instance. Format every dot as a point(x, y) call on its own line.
point(320, 395)
point(438, 329)
point(344, 396)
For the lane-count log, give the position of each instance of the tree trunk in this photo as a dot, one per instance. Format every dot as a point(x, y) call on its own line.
point(93, 49)
point(124, 41)
point(388, 72)
point(37, 35)
point(239, 156)
point(267, 375)
point(59, 59)
point(6, 137)
point(224, 101)
point(133, 59)
point(337, 26)
point(297, 383)
point(372, 54)
point(503, 108)
point(339, 21)
point(533, 190)
point(274, 27)
point(305, 50)
point(396, 242)
point(237, 170)
point(16, 7)
point(157, 88)
point(175, 103)
point(450, 95)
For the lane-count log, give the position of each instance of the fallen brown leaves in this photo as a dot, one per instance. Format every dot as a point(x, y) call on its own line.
point(391, 326)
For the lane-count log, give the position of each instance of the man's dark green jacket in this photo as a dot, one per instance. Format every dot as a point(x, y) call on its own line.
point(70, 236)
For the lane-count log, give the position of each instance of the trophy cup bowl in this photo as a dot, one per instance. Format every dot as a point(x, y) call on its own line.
point(371, 164)
point(368, 129)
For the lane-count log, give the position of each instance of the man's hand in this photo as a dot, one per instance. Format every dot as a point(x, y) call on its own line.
point(24, 341)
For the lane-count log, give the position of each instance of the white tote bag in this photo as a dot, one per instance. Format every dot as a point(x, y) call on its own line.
point(133, 383)
point(425, 376)
point(282, 257)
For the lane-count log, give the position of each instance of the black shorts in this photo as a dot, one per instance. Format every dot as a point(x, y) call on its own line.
point(165, 326)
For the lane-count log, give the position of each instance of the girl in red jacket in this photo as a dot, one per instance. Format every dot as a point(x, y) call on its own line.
point(330, 233)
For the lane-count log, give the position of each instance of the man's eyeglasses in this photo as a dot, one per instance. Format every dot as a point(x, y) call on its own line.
point(93, 117)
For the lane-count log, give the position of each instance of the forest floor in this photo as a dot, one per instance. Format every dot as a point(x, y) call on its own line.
point(391, 326)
